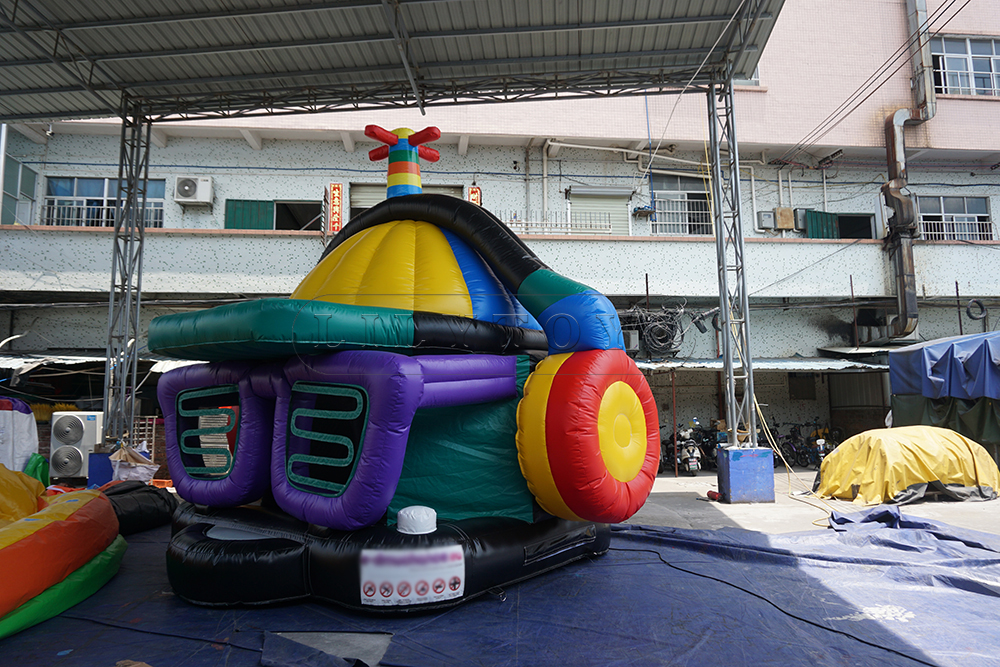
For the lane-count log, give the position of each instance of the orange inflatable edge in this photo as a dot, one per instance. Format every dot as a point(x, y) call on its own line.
point(71, 530)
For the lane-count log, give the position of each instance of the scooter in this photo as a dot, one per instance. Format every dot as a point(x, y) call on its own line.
point(689, 452)
point(688, 455)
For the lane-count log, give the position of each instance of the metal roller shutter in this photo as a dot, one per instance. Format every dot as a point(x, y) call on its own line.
point(605, 213)
point(366, 195)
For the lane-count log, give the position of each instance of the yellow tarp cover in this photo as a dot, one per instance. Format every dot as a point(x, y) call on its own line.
point(899, 465)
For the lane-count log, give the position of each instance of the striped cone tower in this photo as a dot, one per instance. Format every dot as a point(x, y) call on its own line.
point(404, 148)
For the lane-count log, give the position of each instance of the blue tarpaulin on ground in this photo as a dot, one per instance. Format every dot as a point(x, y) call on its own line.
point(965, 367)
point(879, 589)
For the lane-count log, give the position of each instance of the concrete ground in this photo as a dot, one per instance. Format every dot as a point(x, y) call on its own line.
point(682, 502)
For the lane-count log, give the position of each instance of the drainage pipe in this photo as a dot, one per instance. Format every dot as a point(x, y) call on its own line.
point(627, 151)
point(527, 180)
point(545, 180)
point(903, 222)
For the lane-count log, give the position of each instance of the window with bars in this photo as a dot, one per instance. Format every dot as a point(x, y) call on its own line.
point(682, 214)
point(681, 205)
point(955, 218)
point(92, 202)
point(966, 66)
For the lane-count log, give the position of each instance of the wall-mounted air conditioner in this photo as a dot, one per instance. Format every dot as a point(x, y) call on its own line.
point(74, 437)
point(193, 190)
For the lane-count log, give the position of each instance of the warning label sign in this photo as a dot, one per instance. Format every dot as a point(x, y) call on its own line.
point(391, 577)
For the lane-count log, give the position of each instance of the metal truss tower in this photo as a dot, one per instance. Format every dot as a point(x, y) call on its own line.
point(734, 303)
point(126, 275)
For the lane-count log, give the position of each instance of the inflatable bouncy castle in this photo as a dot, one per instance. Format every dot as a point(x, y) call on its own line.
point(433, 413)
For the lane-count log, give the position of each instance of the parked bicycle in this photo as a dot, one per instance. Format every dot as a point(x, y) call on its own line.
point(790, 447)
point(805, 451)
point(820, 442)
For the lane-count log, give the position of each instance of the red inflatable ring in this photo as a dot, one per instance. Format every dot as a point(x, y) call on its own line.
point(588, 436)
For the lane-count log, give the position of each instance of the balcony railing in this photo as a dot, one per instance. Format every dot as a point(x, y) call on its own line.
point(82, 215)
point(961, 228)
point(556, 222)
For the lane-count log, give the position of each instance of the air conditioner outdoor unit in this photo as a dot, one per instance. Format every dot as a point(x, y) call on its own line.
point(631, 340)
point(193, 190)
point(74, 437)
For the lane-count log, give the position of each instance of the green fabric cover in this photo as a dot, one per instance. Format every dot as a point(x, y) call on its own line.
point(462, 461)
point(279, 328)
point(75, 588)
point(38, 468)
point(544, 287)
point(977, 419)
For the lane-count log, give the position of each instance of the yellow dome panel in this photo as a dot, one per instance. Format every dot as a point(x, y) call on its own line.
point(402, 264)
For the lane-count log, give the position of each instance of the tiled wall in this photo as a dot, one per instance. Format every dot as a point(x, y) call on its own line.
point(300, 170)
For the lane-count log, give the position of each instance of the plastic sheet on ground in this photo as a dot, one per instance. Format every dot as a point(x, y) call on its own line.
point(880, 589)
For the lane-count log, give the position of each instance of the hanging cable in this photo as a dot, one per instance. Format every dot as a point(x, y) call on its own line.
point(687, 85)
point(828, 123)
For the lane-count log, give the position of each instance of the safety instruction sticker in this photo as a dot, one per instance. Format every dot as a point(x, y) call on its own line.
point(392, 577)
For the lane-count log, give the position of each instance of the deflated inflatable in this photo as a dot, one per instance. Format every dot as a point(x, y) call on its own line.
point(403, 372)
point(55, 551)
point(901, 465)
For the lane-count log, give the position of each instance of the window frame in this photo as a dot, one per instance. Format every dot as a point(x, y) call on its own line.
point(965, 81)
point(18, 206)
point(262, 214)
point(706, 227)
point(81, 210)
point(935, 225)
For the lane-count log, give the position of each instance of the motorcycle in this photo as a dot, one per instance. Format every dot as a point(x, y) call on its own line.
point(820, 443)
point(687, 456)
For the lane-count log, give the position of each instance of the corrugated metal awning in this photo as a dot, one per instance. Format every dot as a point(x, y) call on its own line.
point(72, 59)
point(22, 363)
point(791, 365)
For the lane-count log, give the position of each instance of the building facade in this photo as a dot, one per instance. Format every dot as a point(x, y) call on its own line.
point(613, 192)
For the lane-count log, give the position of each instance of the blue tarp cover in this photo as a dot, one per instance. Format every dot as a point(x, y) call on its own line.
point(961, 367)
point(878, 589)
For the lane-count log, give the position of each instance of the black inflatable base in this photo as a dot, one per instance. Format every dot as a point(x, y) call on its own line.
point(254, 556)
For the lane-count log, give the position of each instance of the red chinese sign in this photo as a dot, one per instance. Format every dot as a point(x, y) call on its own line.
point(336, 203)
point(476, 195)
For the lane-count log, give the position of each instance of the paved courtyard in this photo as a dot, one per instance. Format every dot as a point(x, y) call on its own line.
point(682, 502)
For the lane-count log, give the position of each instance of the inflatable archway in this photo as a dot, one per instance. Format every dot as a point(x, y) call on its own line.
point(404, 371)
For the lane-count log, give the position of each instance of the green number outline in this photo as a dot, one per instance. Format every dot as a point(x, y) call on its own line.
point(360, 395)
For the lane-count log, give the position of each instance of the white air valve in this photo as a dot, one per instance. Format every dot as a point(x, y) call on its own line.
point(416, 520)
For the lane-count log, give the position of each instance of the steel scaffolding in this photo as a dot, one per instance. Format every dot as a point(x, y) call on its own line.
point(734, 303)
point(126, 275)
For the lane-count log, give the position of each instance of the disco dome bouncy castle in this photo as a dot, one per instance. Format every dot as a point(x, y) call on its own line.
point(434, 412)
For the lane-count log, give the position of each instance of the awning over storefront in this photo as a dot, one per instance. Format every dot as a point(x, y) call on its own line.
point(23, 363)
point(790, 364)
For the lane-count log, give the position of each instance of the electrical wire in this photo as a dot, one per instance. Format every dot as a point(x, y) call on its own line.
point(827, 124)
point(159, 633)
point(24, 393)
point(680, 95)
point(811, 138)
point(662, 331)
point(775, 605)
point(767, 432)
point(809, 266)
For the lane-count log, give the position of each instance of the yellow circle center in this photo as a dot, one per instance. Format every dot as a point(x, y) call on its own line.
point(621, 429)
